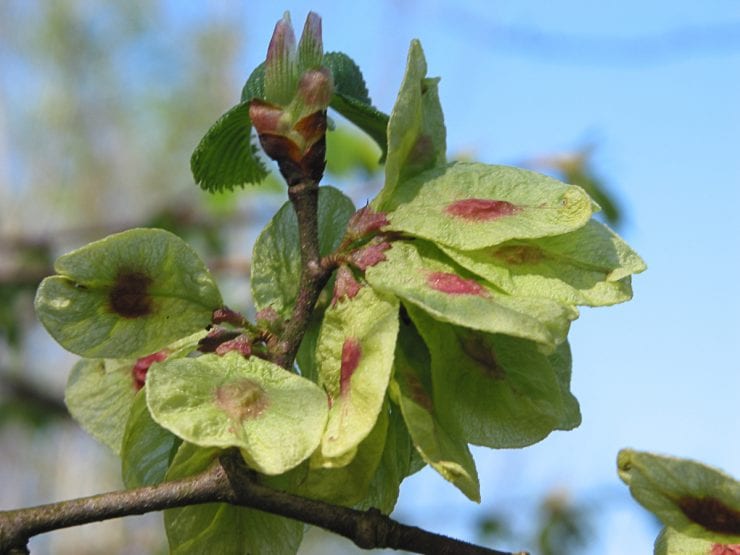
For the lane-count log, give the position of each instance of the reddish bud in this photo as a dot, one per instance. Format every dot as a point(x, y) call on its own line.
point(345, 286)
point(315, 89)
point(142, 365)
point(215, 337)
point(311, 47)
point(241, 345)
point(366, 221)
point(226, 315)
point(265, 116)
point(280, 65)
point(370, 254)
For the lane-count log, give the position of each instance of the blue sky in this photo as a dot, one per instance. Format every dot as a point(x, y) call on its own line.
point(656, 86)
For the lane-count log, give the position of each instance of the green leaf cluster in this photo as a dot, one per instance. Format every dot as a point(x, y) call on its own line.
point(488, 265)
point(445, 326)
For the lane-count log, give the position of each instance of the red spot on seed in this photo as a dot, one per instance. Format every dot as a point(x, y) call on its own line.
point(366, 221)
point(452, 284)
point(142, 367)
point(481, 209)
point(351, 352)
point(720, 549)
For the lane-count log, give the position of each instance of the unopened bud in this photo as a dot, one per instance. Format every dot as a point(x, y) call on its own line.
point(266, 117)
point(315, 89)
point(311, 48)
point(281, 69)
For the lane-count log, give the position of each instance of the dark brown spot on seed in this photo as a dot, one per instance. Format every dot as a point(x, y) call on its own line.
point(130, 296)
point(711, 513)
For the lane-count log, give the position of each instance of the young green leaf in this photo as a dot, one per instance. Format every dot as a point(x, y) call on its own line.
point(692, 498)
point(416, 131)
point(447, 453)
point(351, 98)
point(276, 261)
point(471, 206)
point(348, 79)
point(420, 274)
point(670, 542)
point(127, 295)
point(354, 357)
point(492, 389)
point(590, 266)
point(222, 528)
point(275, 417)
point(147, 447)
point(255, 85)
point(226, 158)
point(348, 484)
point(99, 396)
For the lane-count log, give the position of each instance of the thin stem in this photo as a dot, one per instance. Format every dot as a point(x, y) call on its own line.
point(367, 529)
point(17, 526)
point(305, 199)
point(228, 480)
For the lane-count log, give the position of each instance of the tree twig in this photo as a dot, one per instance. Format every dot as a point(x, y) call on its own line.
point(227, 480)
point(305, 199)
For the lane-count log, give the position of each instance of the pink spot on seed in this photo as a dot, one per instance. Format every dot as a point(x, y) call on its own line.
point(351, 352)
point(481, 209)
point(452, 284)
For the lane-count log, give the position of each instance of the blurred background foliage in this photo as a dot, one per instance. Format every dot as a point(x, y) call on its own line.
point(101, 105)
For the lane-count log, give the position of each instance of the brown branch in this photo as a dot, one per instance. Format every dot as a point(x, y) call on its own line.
point(227, 480)
point(17, 526)
point(305, 199)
